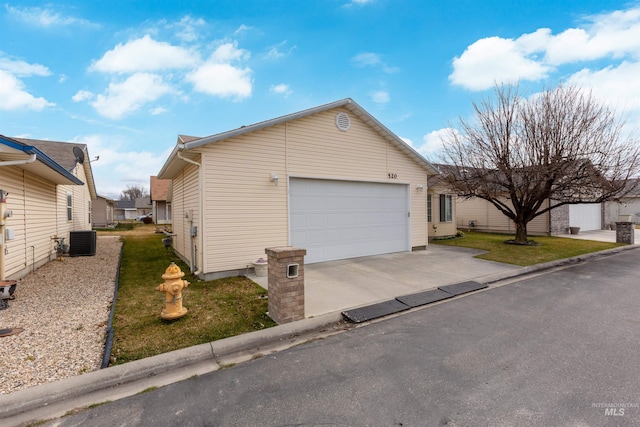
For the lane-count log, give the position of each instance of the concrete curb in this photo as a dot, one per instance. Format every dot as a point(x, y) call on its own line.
point(47, 394)
point(39, 396)
point(552, 264)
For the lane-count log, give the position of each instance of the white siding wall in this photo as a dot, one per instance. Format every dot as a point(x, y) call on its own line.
point(441, 228)
point(31, 199)
point(489, 218)
point(39, 212)
point(245, 212)
point(186, 199)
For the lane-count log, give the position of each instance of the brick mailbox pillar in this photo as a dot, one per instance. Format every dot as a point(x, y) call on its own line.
point(625, 232)
point(286, 283)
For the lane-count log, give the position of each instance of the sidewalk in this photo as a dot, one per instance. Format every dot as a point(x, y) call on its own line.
point(53, 400)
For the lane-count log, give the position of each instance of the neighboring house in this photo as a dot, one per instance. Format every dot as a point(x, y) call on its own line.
point(332, 180)
point(478, 214)
point(143, 205)
point(125, 209)
point(160, 205)
point(103, 209)
point(441, 209)
point(50, 186)
point(628, 207)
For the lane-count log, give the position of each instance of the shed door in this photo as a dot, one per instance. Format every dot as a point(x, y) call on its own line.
point(344, 219)
point(586, 216)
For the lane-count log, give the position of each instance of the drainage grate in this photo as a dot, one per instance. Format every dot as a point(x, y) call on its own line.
point(374, 311)
point(462, 288)
point(423, 298)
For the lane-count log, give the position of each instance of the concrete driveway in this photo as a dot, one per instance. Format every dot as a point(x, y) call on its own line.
point(344, 284)
point(340, 285)
point(600, 236)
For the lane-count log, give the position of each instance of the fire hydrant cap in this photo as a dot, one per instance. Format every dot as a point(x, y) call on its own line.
point(173, 272)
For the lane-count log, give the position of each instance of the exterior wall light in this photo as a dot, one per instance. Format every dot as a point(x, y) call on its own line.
point(420, 187)
point(274, 179)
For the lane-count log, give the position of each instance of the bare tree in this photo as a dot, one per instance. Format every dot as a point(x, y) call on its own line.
point(559, 146)
point(133, 192)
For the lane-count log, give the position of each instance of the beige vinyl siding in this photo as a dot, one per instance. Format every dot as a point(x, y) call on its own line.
point(489, 218)
point(40, 223)
point(31, 200)
point(186, 200)
point(245, 212)
point(446, 228)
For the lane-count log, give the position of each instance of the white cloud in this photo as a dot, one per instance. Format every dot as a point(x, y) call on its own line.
point(82, 95)
point(46, 17)
point(13, 95)
point(618, 86)
point(117, 159)
point(534, 56)
point(278, 51)
point(615, 35)
point(241, 29)
point(492, 60)
point(433, 141)
point(23, 69)
point(281, 89)
point(358, 3)
point(228, 52)
point(370, 59)
point(220, 78)
point(144, 54)
point(158, 110)
point(223, 80)
point(380, 97)
point(188, 27)
point(130, 95)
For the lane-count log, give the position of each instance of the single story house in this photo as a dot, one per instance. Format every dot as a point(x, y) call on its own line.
point(125, 209)
point(331, 179)
point(628, 207)
point(479, 214)
point(160, 206)
point(49, 187)
point(441, 209)
point(103, 210)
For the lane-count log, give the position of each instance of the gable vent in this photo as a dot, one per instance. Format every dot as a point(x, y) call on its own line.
point(343, 122)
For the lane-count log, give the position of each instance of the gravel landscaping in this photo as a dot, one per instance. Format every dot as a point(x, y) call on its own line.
point(63, 310)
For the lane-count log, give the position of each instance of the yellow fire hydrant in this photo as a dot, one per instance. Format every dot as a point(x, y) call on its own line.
point(172, 288)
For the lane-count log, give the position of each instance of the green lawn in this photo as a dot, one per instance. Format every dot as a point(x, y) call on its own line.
point(550, 248)
point(217, 309)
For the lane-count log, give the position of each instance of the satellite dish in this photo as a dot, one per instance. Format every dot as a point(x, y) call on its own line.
point(77, 151)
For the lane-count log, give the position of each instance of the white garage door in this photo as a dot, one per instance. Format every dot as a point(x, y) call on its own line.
point(586, 216)
point(343, 219)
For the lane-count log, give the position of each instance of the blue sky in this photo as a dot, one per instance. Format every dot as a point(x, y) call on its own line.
point(126, 77)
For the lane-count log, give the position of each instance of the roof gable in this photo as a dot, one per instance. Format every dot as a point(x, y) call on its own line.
point(25, 155)
point(159, 188)
point(177, 161)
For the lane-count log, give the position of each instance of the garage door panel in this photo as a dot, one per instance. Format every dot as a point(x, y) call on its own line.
point(586, 216)
point(342, 219)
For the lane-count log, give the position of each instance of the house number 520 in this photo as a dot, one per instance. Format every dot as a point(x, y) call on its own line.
point(391, 175)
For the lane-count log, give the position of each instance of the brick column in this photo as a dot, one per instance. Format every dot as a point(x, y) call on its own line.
point(625, 232)
point(286, 294)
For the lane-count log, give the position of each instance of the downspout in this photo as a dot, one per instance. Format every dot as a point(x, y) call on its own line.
point(19, 162)
point(194, 266)
point(3, 243)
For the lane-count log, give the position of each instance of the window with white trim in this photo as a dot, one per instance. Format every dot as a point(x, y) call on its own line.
point(446, 208)
point(429, 218)
point(69, 207)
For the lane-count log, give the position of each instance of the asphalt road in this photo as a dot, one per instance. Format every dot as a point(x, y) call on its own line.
point(559, 349)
